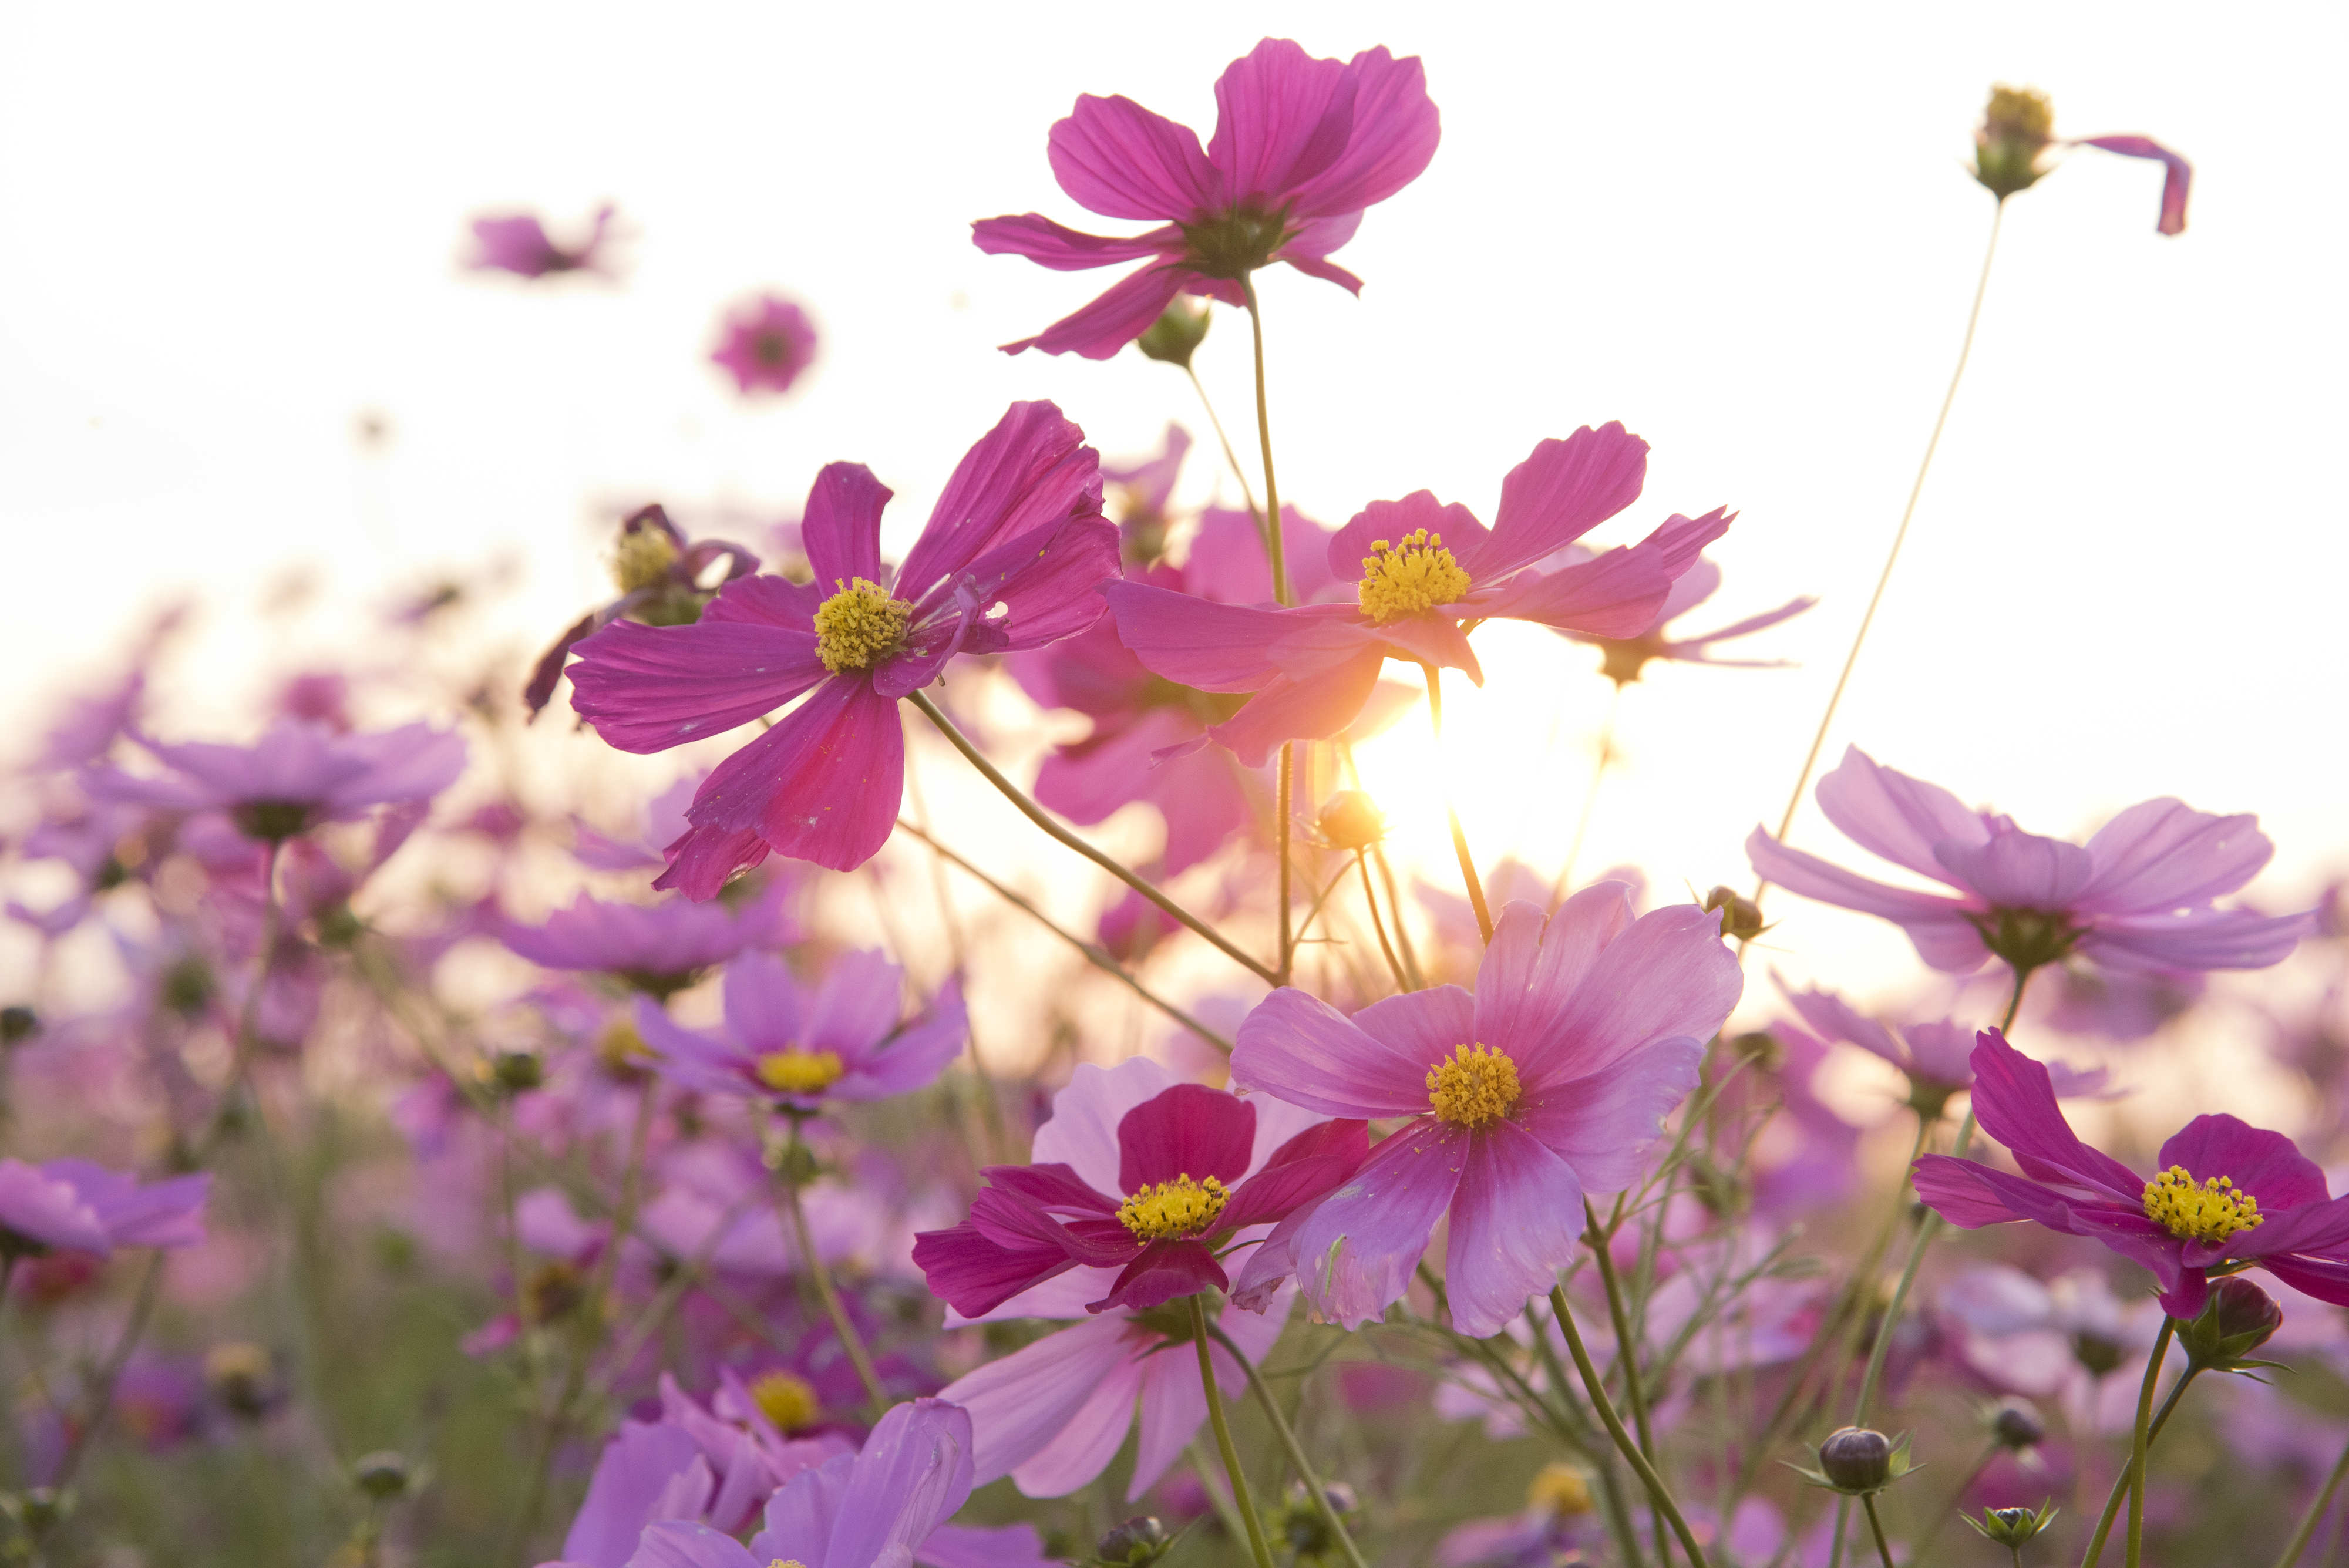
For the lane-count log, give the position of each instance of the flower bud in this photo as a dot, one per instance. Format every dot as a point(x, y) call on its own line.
point(513, 1072)
point(2017, 1425)
point(1175, 335)
point(2099, 1352)
point(1135, 1543)
point(18, 1024)
point(2237, 1319)
point(1741, 919)
point(381, 1474)
point(2012, 1528)
point(1857, 1459)
point(2015, 130)
point(1351, 821)
point(243, 1376)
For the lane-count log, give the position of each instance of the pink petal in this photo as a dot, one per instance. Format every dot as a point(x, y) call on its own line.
point(2162, 855)
point(1214, 647)
point(1604, 1123)
point(2177, 175)
point(1312, 708)
point(1283, 118)
point(824, 785)
point(1047, 243)
point(763, 1003)
point(1668, 976)
point(1435, 639)
point(2208, 939)
point(1173, 1405)
point(1032, 470)
point(1083, 1133)
point(1515, 1222)
point(1564, 490)
point(1394, 137)
point(1936, 923)
point(1889, 814)
point(1113, 318)
point(647, 688)
point(856, 1007)
point(1189, 1130)
point(1118, 158)
point(1355, 1255)
point(2017, 870)
point(1533, 964)
point(1019, 1404)
point(1616, 594)
point(841, 529)
point(802, 1515)
point(912, 1475)
point(1297, 1048)
point(1091, 1437)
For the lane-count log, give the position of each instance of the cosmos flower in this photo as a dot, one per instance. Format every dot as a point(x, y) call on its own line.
point(657, 947)
point(1542, 1088)
point(1011, 559)
point(1561, 1517)
point(765, 344)
point(1194, 1169)
point(72, 1205)
point(660, 574)
point(795, 1048)
point(296, 776)
point(517, 242)
point(1301, 147)
point(1624, 658)
point(1429, 573)
point(2224, 1192)
point(2137, 896)
point(1935, 1057)
point(2019, 127)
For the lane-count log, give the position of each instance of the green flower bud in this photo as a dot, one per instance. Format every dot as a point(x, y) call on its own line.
point(1741, 919)
point(2238, 1318)
point(2012, 1528)
point(2016, 127)
point(1350, 821)
point(1133, 1544)
point(382, 1474)
point(18, 1024)
point(1175, 335)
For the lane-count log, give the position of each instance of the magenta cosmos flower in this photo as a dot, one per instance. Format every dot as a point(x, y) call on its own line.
point(2137, 895)
point(1541, 1089)
point(795, 1048)
point(764, 344)
point(2226, 1196)
point(296, 776)
point(659, 574)
point(657, 947)
point(74, 1206)
point(1428, 574)
point(1301, 147)
point(1625, 656)
point(1013, 554)
point(517, 242)
point(1189, 1178)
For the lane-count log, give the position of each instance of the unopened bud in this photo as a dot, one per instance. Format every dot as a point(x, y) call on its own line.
point(517, 1071)
point(1351, 821)
point(2012, 1528)
point(1857, 1459)
point(1135, 1543)
point(381, 1474)
point(1175, 335)
point(243, 1376)
point(2015, 130)
point(18, 1024)
point(2099, 1352)
point(646, 550)
point(1758, 1047)
point(2017, 1425)
point(2237, 1319)
point(1741, 919)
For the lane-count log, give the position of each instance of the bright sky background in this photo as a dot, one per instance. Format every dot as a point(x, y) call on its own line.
point(1744, 231)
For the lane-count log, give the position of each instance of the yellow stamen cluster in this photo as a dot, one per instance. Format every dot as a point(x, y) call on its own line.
point(2212, 1211)
point(1178, 1208)
point(859, 626)
point(1474, 1087)
point(787, 1399)
point(1409, 578)
point(787, 1563)
point(797, 1072)
point(642, 559)
point(621, 1049)
point(1560, 1490)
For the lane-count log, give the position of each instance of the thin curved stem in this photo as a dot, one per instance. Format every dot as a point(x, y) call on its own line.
point(2309, 1521)
point(2140, 1439)
point(843, 1327)
point(2121, 1482)
point(1591, 1383)
point(1600, 1237)
point(1231, 458)
point(1288, 1436)
point(1264, 440)
point(1459, 836)
point(1037, 814)
point(1565, 883)
point(1094, 955)
point(1284, 806)
point(1883, 1548)
point(248, 1018)
point(1394, 965)
point(1965, 349)
point(1242, 1502)
point(1402, 930)
point(102, 1399)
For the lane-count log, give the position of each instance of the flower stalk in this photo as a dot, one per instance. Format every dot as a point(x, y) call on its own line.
point(1596, 1388)
point(1242, 1502)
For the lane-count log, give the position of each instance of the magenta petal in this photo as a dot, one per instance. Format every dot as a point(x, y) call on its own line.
point(1047, 584)
point(1190, 1130)
point(1670, 976)
point(1515, 1221)
point(824, 785)
point(1164, 1270)
point(1032, 471)
point(910, 1477)
point(682, 1543)
point(1282, 118)
point(1214, 647)
point(1356, 1253)
point(1300, 1172)
point(1937, 925)
point(765, 600)
point(2018, 870)
point(1047, 243)
point(701, 859)
point(763, 1003)
point(2177, 175)
point(1565, 489)
point(1959, 1191)
point(1297, 1048)
point(631, 1474)
point(974, 1273)
point(1393, 138)
point(648, 688)
point(841, 529)
point(1603, 1125)
point(1390, 520)
point(1888, 813)
point(1113, 318)
point(2014, 1101)
point(2163, 854)
point(1118, 158)
point(1308, 710)
point(916, 1055)
point(1615, 595)
point(2267, 1165)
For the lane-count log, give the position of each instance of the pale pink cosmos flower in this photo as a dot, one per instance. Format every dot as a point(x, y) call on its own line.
point(296, 776)
point(1543, 1087)
point(75, 1206)
point(518, 243)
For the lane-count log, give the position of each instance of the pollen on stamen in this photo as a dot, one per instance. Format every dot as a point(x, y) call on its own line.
point(859, 626)
point(797, 1072)
point(1170, 1208)
point(2211, 1211)
point(787, 1399)
point(1474, 1087)
point(1410, 577)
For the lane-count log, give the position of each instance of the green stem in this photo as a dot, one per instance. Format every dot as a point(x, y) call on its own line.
point(1284, 805)
point(1591, 1383)
point(1288, 1436)
point(1459, 835)
point(786, 1177)
point(1394, 965)
point(1626, 1359)
point(1402, 928)
point(1883, 1548)
point(1966, 348)
point(102, 1399)
point(1264, 440)
point(2139, 1441)
point(1037, 814)
point(2315, 1514)
point(2121, 1482)
point(1231, 460)
point(1242, 1502)
point(1092, 954)
point(248, 1019)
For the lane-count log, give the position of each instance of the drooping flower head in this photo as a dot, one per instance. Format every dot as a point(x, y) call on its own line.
point(1625, 656)
point(1301, 147)
point(2225, 1196)
point(295, 777)
point(1542, 1088)
point(1011, 558)
point(1193, 1168)
point(2139, 894)
point(786, 1045)
point(72, 1205)
point(765, 343)
point(518, 243)
point(2019, 127)
point(1424, 574)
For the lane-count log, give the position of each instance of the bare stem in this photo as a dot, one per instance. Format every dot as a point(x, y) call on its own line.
point(1459, 835)
point(1242, 1502)
point(2121, 1488)
point(787, 1178)
point(1284, 806)
point(2309, 1521)
point(1231, 459)
point(1037, 814)
point(1627, 1357)
point(102, 1398)
point(1264, 440)
point(1288, 1436)
point(1883, 1547)
point(1394, 965)
point(1597, 1388)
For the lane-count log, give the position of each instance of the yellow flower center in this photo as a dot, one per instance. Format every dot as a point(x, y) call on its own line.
point(787, 1399)
point(642, 559)
point(1560, 1490)
point(1409, 578)
point(1178, 1208)
point(2210, 1212)
point(1474, 1087)
point(787, 1563)
point(620, 1048)
point(798, 1072)
point(859, 626)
